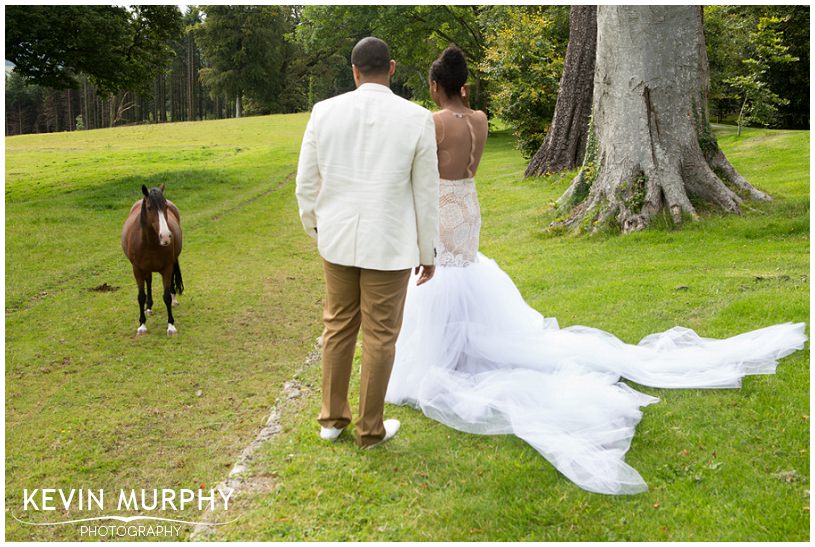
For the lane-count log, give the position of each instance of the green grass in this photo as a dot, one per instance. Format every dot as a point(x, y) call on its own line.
point(89, 404)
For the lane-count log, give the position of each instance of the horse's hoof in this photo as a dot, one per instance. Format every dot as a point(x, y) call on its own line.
point(171, 330)
point(141, 330)
point(175, 301)
point(148, 311)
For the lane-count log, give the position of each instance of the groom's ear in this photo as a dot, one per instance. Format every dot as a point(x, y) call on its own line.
point(357, 75)
point(391, 67)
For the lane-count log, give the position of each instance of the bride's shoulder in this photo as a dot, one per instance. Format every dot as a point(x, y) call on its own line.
point(481, 121)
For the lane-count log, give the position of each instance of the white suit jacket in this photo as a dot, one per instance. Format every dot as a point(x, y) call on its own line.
point(368, 180)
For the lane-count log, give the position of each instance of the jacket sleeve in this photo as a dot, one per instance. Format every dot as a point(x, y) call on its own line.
point(425, 182)
point(308, 181)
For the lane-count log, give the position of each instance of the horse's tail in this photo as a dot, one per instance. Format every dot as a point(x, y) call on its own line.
point(178, 283)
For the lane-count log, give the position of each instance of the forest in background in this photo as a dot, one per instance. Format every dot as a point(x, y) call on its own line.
point(154, 64)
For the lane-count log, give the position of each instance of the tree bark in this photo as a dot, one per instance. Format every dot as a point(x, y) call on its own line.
point(190, 80)
point(162, 99)
point(565, 141)
point(173, 102)
point(650, 146)
point(69, 110)
point(97, 111)
point(83, 104)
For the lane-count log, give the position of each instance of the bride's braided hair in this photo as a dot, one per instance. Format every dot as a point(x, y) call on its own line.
point(450, 70)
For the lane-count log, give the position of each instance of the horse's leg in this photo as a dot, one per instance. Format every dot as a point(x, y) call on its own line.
point(173, 295)
point(149, 279)
point(167, 278)
point(175, 279)
point(142, 300)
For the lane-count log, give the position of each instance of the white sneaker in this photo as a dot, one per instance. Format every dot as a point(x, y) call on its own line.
point(330, 433)
point(391, 428)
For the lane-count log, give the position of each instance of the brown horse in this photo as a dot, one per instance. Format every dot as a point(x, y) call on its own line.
point(151, 239)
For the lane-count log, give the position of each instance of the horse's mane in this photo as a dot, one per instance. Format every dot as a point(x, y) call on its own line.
point(157, 200)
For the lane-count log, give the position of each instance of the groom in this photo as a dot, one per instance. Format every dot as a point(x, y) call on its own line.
point(368, 192)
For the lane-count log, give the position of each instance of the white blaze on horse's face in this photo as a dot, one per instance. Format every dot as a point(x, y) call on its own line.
point(164, 235)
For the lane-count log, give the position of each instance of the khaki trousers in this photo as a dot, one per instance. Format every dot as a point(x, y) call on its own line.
point(375, 300)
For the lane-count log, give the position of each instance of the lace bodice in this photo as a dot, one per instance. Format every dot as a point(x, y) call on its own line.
point(459, 223)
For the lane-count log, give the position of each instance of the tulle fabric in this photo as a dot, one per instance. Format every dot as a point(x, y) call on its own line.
point(474, 356)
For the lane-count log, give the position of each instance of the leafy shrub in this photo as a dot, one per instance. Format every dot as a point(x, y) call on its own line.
point(523, 63)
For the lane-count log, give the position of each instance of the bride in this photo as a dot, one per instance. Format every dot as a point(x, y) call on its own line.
point(474, 356)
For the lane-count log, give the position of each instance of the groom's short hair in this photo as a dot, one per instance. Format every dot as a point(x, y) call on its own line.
point(371, 56)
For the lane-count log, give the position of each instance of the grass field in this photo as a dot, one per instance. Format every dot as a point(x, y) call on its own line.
point(89, 404)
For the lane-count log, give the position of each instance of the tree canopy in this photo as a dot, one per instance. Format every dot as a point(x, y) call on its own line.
point(117, 47)
point(753, 47)
point(137, 64)
point(245, 47)
point(415, 34)
point(523, 62)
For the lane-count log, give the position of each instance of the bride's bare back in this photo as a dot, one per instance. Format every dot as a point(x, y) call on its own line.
point(460, 138)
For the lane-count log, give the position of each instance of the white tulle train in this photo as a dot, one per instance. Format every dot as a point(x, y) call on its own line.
point(474, 356)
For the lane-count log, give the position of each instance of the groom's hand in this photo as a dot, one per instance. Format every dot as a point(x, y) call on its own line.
point(426, 275)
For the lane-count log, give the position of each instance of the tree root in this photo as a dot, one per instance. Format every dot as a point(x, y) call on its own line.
point(719, 162)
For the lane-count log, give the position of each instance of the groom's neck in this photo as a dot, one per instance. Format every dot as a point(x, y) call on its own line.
point(377, 79)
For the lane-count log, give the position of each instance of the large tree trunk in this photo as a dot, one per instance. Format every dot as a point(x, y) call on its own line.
point(565, 141)
point(650, 144)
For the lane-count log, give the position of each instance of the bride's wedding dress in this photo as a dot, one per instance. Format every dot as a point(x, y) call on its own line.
point(474, 356)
